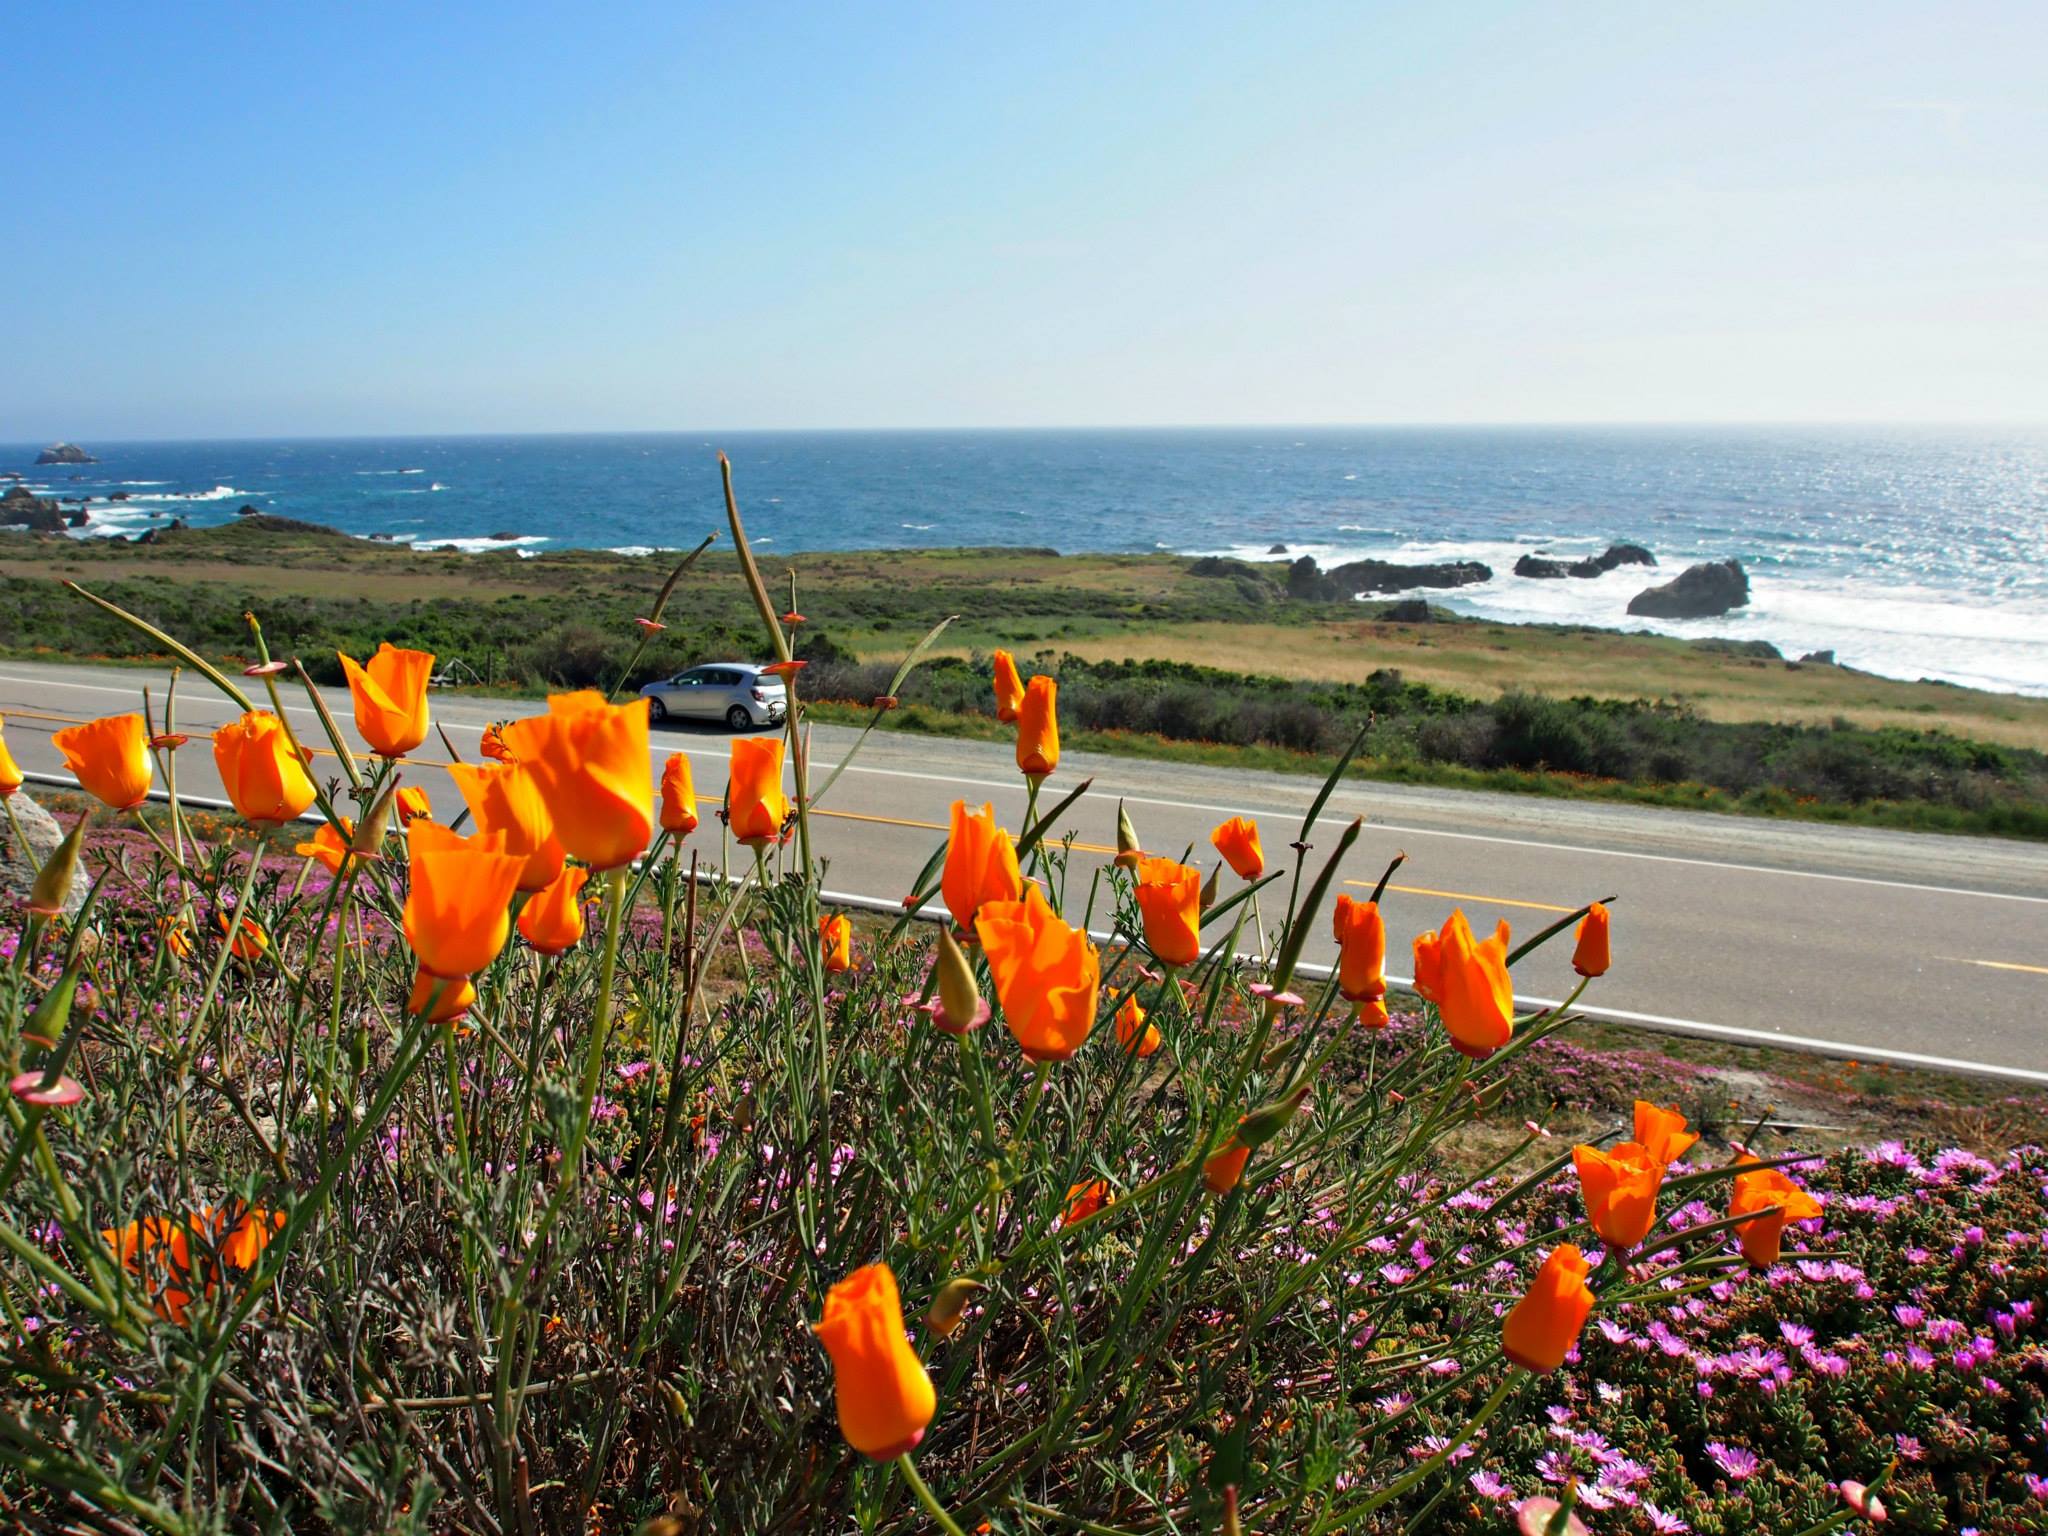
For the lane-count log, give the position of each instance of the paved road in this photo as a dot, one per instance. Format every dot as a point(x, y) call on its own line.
point(1912, 948)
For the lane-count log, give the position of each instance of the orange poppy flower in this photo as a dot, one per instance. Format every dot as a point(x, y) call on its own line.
point(755, 806)
point(591, 763)
point(493, 744)
point(1372, 1013)
point(111, 758)
point(1009, 687)
point(1620, 1189)
point(175, 935)
point(505, 799)
point(159, 1251)
point(327, 845)
point(455, 917)
point(411, 803)
point(1238, 841)
point(11, 777)
point(1170, 898)
point(264, 774)
point(1132, 1031)
point(1222, 1168)
point(1473, 992)
point(1084, 1200)
point(1361, 952)
point(552, 919)
point(1038, 728)
point(1590, 956)
point(1662, 1132)
point(390, 694)
point(249, 941)
point(457, 997)
point(678, 796)
point(835, 941)
point(1755, 1195)
point(981, 864)
point(885, 1399)
point(1046, 974)
point(1544, 1325)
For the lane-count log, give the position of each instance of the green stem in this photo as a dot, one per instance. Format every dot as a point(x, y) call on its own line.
point(926, 1497)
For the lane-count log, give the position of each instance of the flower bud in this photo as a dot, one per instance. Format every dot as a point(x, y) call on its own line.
point(1269, 1120)
point(52, 888)
point(1127, 848)
point(950, 1303)
point(960, 1006)
point(1208, 896)
point(368, 839)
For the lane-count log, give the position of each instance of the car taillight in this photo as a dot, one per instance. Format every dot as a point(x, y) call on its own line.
point(760, 695)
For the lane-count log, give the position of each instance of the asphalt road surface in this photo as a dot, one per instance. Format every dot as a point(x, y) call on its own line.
point(1911, 948)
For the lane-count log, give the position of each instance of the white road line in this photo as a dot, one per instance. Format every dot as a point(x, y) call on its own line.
point(1333, 819)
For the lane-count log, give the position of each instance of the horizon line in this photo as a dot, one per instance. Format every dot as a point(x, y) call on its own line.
point(1414, 425)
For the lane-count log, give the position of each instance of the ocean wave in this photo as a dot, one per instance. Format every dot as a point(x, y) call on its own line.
point(474, 546)
point(918, 527)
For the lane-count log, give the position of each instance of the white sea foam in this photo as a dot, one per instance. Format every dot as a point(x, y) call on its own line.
point(1893, 629)
point(917, 527)
point(475, 546)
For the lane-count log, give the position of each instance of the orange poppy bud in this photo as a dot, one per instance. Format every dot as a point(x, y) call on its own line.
point(1046, 974)
point(111, 758)
point(885, 1398)
point(264, 774)
point(1084, 1200)
point(960, 1006)
point(835, 941)
point(249, 941)
point(552, 919)
point(1662, 1132)
point(1590, 956)
point(981, 864)
point(457, 997)
point(1009, 687)
point(411, 803)
point(10, 771)
point(755, 806)
point(1474, 995)
point(1222, 1168)
point(678, 796)
point(1429, 968)
point(1038, 728)
point(590, 760)
point(1132, 1032)
point(1128, 849)
point(390, 694)
point(327, 845)
point(1620, 1189)
point(1238, 841)
point(950, 1304)
point(176, 936)
point(1763, 1235)
point(505, 800)
point(1361, 952)
point(454, 915)
point(1544, 1325)
point(1170, 897)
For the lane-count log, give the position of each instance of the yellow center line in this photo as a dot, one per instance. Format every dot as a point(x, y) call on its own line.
point(1491, 901)
point(1998, 965)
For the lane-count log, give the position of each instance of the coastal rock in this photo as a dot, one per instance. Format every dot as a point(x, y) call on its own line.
point(1277, 549)
point(248, 509)
point(1358, 577)
point(270, 522)
point(1410, 610)
point(21, 507)
point(121, 496)
point(78, 519)
point(18, 871)
point(1542, 566)
point(1820, 658)
point(1699, 592)
point(65, 453)
point(505, 536)
point(1221, 565)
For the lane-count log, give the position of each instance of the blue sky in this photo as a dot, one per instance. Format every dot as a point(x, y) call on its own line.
point(263, 220)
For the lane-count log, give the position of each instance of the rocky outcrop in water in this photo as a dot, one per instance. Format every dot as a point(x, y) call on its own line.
point(1357, 577)
point(65, 453)
point(1614, 555)
point(1699, 592)
point(22, 508)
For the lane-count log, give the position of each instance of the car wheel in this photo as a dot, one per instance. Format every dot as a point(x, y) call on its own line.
point(656, 710)
point(738, 718)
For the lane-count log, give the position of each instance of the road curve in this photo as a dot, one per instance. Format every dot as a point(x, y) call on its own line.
point(1913, 948)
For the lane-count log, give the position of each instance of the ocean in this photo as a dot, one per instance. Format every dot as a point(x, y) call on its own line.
point(1910, 552)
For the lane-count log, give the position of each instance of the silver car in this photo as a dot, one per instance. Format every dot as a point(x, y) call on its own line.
point(737, 692)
